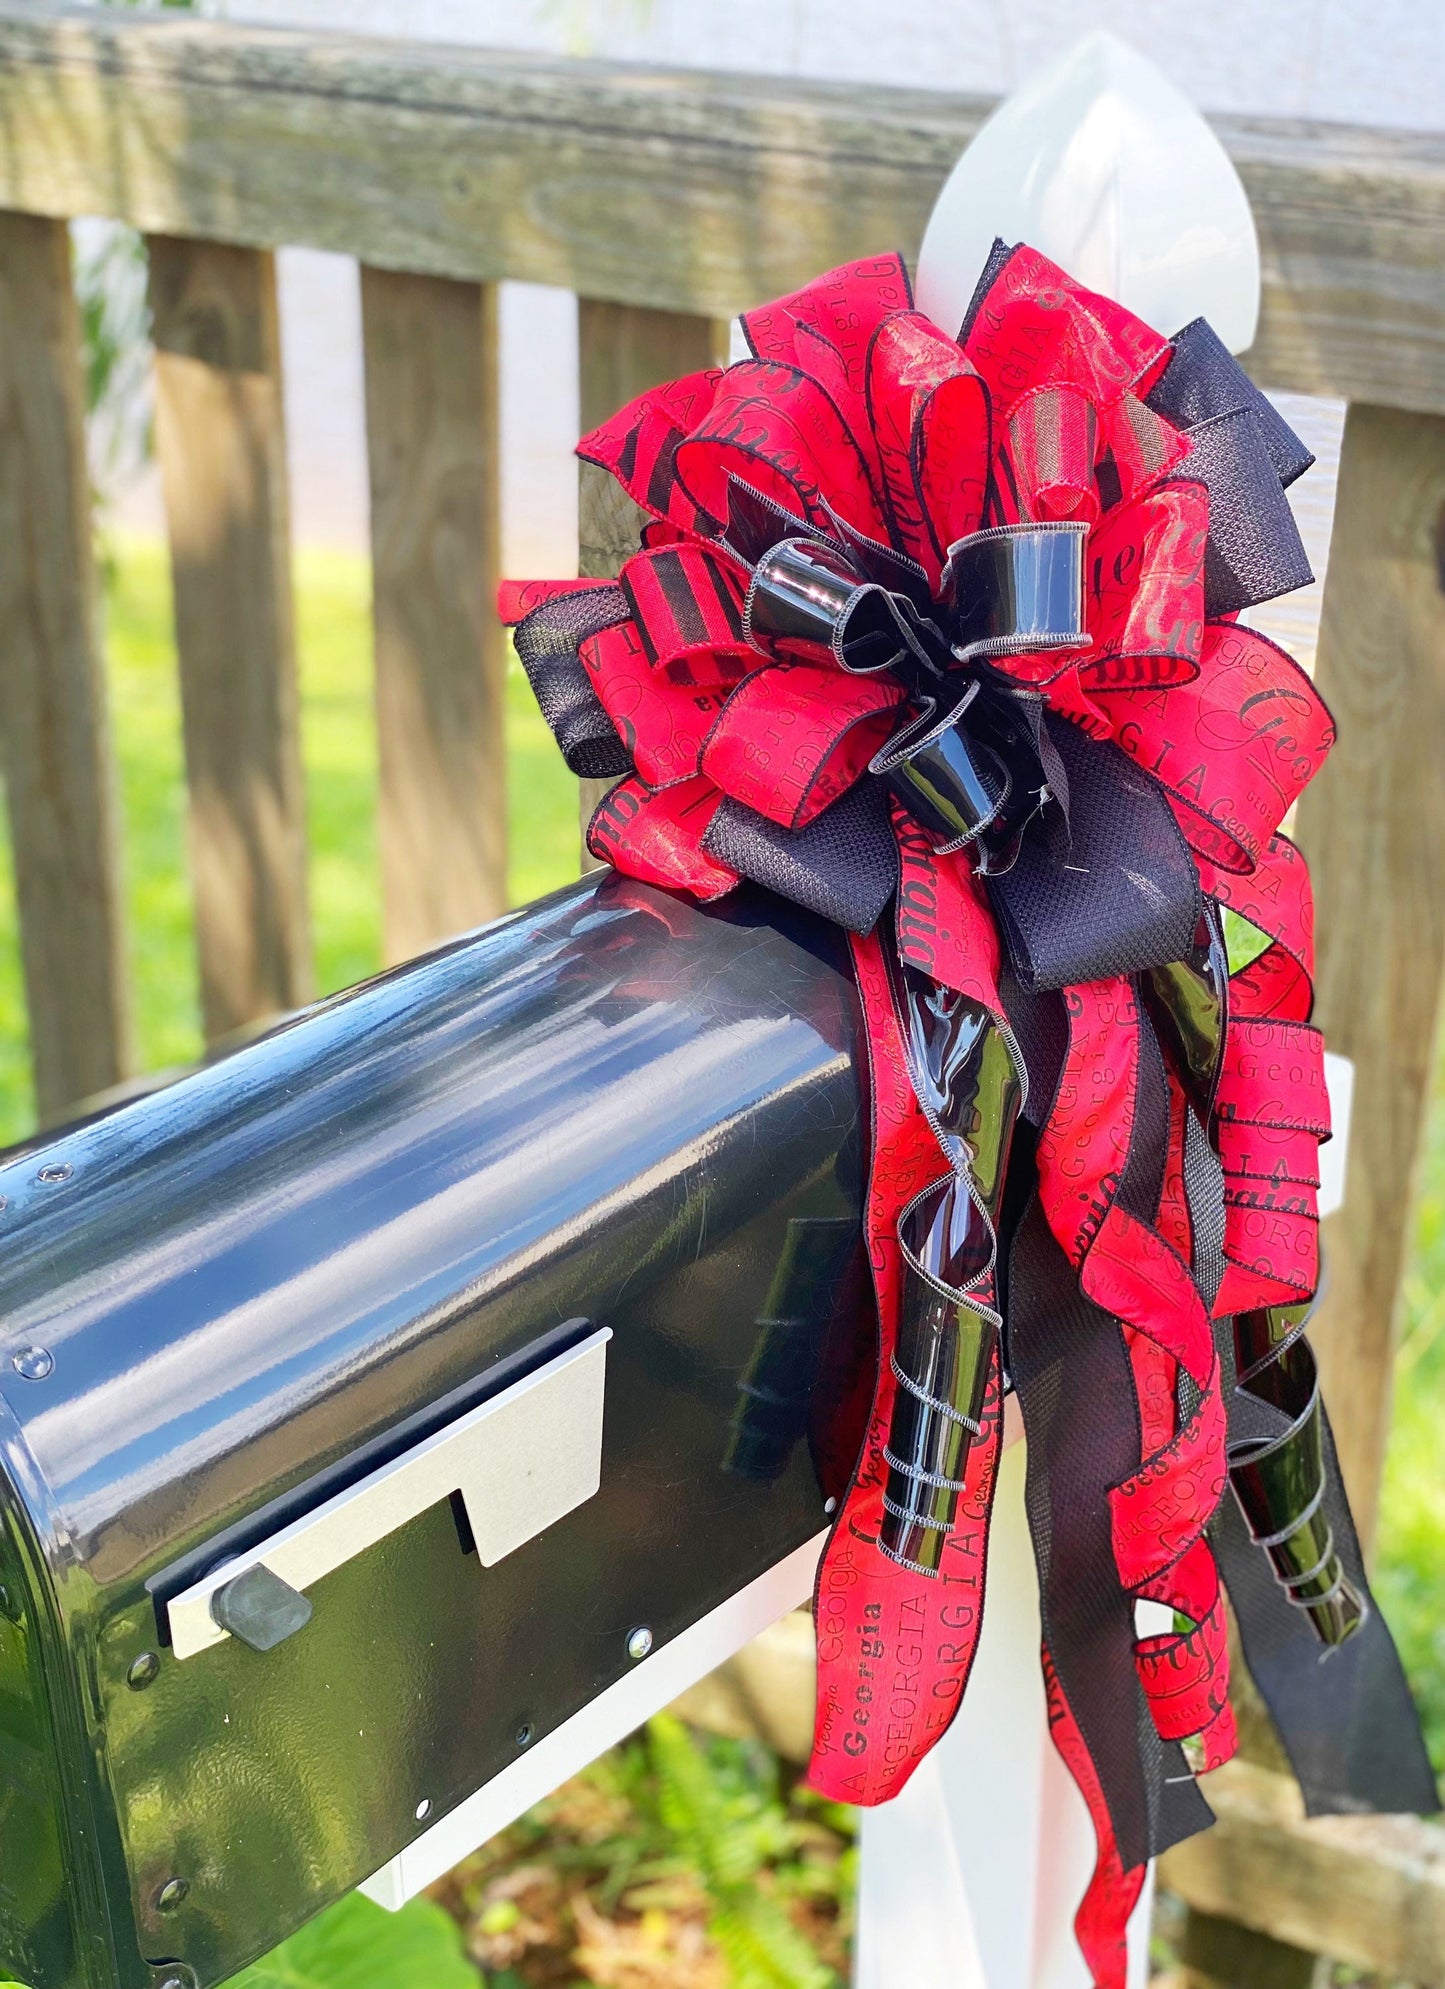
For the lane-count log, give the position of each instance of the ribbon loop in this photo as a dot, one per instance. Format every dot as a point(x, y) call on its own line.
point(955, 787)
point(1017, 587)
point(806, 600)
point(548, 642)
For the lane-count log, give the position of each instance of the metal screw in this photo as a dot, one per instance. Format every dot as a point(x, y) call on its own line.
point(33, 1363)
point(423, 1809)
point(830, 1506)
point(177, 1976)
point(54, 1172)
point(524, 1734)
point(144, 1671)
point(639, 1643)
point(171, 1894)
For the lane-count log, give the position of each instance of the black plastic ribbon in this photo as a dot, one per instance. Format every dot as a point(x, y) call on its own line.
point(1278, 1475)
point(808, 600)
point(969, 1082)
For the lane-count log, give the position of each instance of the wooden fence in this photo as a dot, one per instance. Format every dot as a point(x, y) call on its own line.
point(667, 202)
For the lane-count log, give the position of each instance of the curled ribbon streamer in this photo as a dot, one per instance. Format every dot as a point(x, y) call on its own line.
point(936, 637)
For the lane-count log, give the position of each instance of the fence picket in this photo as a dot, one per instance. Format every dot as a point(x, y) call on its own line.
point(59, 772)
point(220, 436)
point(621, 352)
point(432, 426)
point(1373, 827)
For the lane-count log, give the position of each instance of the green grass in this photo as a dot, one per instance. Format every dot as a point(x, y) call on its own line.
point(1411, 1565)
point(339, 747)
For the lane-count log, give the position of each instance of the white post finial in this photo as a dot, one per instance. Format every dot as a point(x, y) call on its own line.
point(1101, 164)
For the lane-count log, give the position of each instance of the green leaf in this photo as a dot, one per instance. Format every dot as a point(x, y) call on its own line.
point(1243, 942)
point(358, 1945)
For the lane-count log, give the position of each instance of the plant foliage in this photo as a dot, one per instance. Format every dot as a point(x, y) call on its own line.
point(675, 1862)
point(357, 1945)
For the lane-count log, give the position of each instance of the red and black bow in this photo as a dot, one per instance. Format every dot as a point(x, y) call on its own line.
point(938, 638)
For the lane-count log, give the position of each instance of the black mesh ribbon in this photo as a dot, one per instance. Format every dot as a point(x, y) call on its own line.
point(548, 644)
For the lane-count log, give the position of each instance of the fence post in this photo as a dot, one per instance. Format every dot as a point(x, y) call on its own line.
point(623, 350)
point(1373, 827)
point(220, 436)
point(432, 420)
point(59, 772)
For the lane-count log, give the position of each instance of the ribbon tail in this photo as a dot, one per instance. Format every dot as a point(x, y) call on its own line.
point(1101, 1925)
point(1071, 1373)
point(1345, 1714)
point(896, 1642)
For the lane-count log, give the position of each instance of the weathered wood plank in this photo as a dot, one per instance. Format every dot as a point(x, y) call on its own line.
point(59, 774)
point(220, 437)
point(1368, 1890)
point(1373, 826)
point(621, 352)
point(681, 191)
point(1220, 1954)
point(432, 426)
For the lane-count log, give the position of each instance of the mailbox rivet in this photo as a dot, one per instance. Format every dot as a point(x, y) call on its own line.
point(423, 1809)
point(524, 1734)
point(639, 1643)
point(144, 1671)
point(177, 1976)
point(54, 1172)
point(33, 1363)
point(171, 1894)
point(830, 1506)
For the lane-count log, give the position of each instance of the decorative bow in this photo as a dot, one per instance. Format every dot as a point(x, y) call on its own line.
point(947, 629)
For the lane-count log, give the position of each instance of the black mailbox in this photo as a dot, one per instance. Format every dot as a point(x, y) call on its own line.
point(363, 1394)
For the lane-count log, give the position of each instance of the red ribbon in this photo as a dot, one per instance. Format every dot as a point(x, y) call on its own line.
point(856, 412)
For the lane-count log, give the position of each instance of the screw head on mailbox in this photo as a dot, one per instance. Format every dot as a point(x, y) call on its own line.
point(449, 1237)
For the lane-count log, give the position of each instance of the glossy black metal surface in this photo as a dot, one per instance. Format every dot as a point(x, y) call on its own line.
point(258, 1285)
